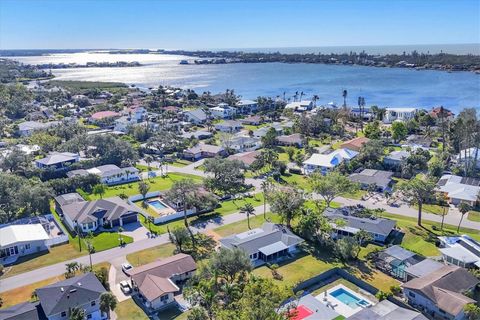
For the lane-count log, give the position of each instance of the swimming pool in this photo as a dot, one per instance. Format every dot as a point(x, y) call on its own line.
point(157, 204)
point(348, 298)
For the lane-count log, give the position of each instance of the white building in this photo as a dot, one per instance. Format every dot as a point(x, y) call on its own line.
point(470, 155)
point(324, 163)
point(22, 239)
point(300, 106)
point(461, 251)
point(223, 111)
point(109, 174)
point(459, 189)
point(399, 114)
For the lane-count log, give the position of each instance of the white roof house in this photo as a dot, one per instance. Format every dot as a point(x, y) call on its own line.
point(472, 154)
point(13, 234)
point(325, 162)
point(399, 114)
point(300, 105)
point(459, 189)
point(462, 251)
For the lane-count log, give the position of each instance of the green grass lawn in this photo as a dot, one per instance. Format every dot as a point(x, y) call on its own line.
point(297, 179)
point(355, 195)
point(149, 255)
point(232, 206)
point(336, 145)
point(180, 163)
point(101, 241)
point(433, 209)
point(156, 184)
point(129, 310)
point(474, 216)
point(241, 226)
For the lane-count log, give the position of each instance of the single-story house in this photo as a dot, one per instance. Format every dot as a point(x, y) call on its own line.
point(300, 106)
point(459, 189)
point(470, 155)
point(18, 240)
point(355, 144)
point(90, 215)
point(158, 282)
point(327, 162)
point(394, 260)
point(83, 291)
point(196, 116)
point(399, 114)
point(379, 228)
point(394, 159)
point(291, 140)
point(223, 111)
point(245, 143)
point(462, 251)
point(57, 161)
point(23, 311)
point(246, 157)
point(419, 141)
point(386, 310)
point(103, 115)
point(253, 120)
point(27, 128)
point(67, 198)
point(28, 149)
point(421, 269)
point(202, 150)
point(229, 126)
point(382, 180)
point(265, 244)
point(199, 135)
point(109, 174)
point(247, 106)
point(441, 294)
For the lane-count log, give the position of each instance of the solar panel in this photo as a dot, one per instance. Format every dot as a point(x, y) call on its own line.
point(469, 248)
point(470, 181)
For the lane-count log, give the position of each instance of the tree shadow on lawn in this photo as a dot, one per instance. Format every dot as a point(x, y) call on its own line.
point(201, 222)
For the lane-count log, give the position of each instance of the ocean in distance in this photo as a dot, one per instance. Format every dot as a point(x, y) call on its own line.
point(385, 87)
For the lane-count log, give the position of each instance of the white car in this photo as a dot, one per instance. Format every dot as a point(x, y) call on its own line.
point(126, 267)
point(125, 287)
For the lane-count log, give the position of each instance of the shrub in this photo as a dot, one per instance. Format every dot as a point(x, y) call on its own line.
point(395, 289)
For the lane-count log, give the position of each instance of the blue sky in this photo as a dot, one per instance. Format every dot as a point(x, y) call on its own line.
point(235, 24)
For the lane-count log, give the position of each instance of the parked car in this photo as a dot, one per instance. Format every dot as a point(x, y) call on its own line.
point(125, 287)
point(126, 267)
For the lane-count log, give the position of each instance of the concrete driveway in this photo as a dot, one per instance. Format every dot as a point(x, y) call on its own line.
point(115, 276)
point(135, 230)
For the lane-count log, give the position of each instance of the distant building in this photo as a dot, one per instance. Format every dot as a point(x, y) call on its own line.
point(394, 159)
point(291, 140)
point(300, 106)
point(109, 174)
point(324, 163)
point(246, 157)
point(247, 106)
point(253, 120)
point(459, 189)
point(355, 144)
point(196, 116)
point(202, 150)
point(435, 113)
point(200, 135)
point(230, 126)
point(245, 143)
point(399, 114)
point(57, 161)
point(223, 111)
point(462, 251)
point(27, 128)
point(265, 244)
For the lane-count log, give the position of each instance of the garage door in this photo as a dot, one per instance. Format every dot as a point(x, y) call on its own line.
point(129, 219)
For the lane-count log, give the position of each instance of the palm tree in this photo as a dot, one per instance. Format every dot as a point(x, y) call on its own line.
point(107, 302)
point(148, 160)
point(249, 210)
point(344, 95)
point(150, 220)
point(265, 188)
point(120, 237)
point(315, 99)
point(463, 208)
point(76, 314)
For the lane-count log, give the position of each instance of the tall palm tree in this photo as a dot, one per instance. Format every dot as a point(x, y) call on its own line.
point(249, 210)
point(463, 208)
point(265, 188)
point(107, 302)
point(315, 99)
point(344, 95)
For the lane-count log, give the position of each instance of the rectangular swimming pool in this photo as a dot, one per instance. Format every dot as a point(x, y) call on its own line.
point(348, 298)
point(157, 204)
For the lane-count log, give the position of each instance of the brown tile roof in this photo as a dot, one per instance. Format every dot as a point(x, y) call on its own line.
point(445, 287)
point(154, 287)
point(355, 144)
point(246, 157)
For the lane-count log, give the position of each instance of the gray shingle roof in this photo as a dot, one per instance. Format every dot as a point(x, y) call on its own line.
point(68, 198)
point(23, 311)
point(270, 233)
point(382, 226)
point(386, 310)
point(423, 268)
point(73, 292)
point(369, 176)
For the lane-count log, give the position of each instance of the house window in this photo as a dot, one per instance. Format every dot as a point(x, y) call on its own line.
point(93, 303)
point(411, 294)
point(64, 314)
point(164, 298)
point(27, 246)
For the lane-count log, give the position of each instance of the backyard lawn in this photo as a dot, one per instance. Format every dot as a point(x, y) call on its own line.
point(241, 226)
point(129, 310)
point(149, 255)
point(180, 163)
point(474, 216)
point(24, 293)
point(156, 184)
point(102, 241)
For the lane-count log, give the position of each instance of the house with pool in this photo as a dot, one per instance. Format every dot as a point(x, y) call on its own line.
point(266, 244)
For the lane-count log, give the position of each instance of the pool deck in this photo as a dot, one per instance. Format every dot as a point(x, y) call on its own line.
point(339, 306)
point(163, 211)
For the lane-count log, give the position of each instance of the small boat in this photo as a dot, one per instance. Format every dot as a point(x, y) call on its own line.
point(184, 62)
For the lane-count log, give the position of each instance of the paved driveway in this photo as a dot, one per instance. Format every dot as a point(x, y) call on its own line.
point(115, 276)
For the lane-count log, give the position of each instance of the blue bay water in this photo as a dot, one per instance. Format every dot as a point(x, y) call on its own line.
point(384, 87)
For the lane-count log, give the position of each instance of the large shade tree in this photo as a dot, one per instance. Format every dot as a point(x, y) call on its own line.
point(417, 191)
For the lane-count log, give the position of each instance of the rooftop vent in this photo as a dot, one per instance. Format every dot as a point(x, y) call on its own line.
point(79, 284)
point(61, 289)
point(73, 290)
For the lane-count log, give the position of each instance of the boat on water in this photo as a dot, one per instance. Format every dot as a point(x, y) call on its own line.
point(184, 62)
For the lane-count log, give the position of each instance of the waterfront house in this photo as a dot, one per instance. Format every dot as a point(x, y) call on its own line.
point(196, 116)
point(247, 106)
point(462, 251)
point(459, 189)
point(354, 144)
point(365, 113)
point(223, 111)
point(324, 163)
point(19, 240)
point(229, 126)
point(386, 310)
point(442, 294)
point(57, 161)
point(203, 150)
point(265, 244)
point(109, 174)
point(158, 282)
point(435, 113)
point(91, 215)
point(399, 114)
point(291, 140)
point(300, 106)
point(379, 228)
point(379, 179)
